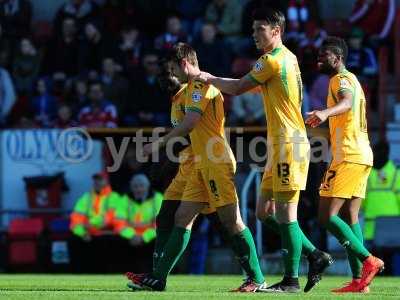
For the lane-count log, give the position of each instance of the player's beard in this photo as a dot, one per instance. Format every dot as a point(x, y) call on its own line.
point(326, 68)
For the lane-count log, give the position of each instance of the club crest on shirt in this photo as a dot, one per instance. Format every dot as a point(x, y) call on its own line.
point(344, 83)
point(258, 66)
point(174, 123)
point(196, 96)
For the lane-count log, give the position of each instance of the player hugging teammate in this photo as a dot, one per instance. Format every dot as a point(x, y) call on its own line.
point(208, 182)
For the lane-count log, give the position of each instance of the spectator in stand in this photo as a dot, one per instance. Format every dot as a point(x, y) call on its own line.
point(136, 219)
point(44, 104)
point(7, 95)
point(294, 33)
point(150, 106)
point(308, 50)
point(26, 66)
point(15, 18)
point(77, 96)
point(114, 16)
point(136, 222)
point(193, 10)
point(63, 52)
point(100, 113)
point(115, 86)
point(94, 48)
point(248, 109)
point(93, 76)
point(297, 12)
point(5, 50)
point(314, 35)
point(95, 211)
point(361, 60)
point(293, 36)
point(213, 54)
point(64, 117)
point(227, 16)
point(383, 190)
point(59, 83)
point(93, 216)
point(173, 34)
point(130, 49)
point(82, 11)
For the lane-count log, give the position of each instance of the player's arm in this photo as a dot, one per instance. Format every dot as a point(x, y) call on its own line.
point(183, 129)
point(345, 102)
point(265, 67)
point(229, 86)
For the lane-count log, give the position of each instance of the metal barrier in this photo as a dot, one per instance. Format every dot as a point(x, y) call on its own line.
point(253, 177)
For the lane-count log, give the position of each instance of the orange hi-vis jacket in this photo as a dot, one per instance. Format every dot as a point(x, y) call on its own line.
point(134, 218)
point(94, 212)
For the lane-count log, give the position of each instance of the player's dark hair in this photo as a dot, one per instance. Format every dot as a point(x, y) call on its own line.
point(271, 16)
point(167, 81)
point(182, 50)
point(337, 46)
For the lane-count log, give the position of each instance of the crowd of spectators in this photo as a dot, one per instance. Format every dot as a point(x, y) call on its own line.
point(96, 63)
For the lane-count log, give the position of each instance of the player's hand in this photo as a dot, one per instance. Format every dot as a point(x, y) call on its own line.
point(315, 118)
point(204, 77)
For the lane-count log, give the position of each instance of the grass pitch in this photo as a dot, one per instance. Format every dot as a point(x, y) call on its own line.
point(98, 287)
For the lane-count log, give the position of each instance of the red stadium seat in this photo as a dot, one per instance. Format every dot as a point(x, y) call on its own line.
point(25, 228)
point(22, 253)
point(23, 237)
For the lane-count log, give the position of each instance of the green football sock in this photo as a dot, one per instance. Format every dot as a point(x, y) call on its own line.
point(173, 250)
point(162, 236)
point(272, 223)
point(245, 250)
point(355, 263)
point(347, 238)
point(292, 245)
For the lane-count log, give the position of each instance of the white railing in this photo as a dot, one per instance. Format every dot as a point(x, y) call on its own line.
point(254, 177)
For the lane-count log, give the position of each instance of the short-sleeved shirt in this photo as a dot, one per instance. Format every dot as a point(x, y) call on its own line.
point(177, 115)
point(348, 131)
point(209, 143)
point(279, 76)
point(178, 107)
